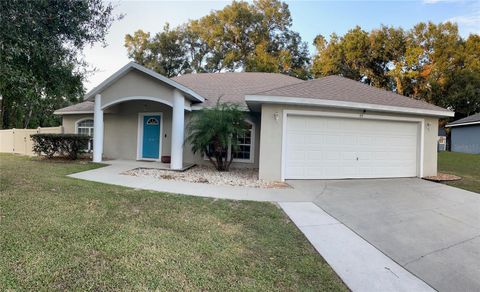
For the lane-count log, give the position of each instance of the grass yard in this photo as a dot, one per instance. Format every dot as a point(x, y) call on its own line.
point(66, 234)
point(465, 165)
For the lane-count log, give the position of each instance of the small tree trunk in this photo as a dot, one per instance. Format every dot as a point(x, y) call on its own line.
point(219, 162)
point(229, 163)
point(212, 162)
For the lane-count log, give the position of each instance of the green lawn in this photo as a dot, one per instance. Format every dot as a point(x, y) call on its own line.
point(66, 234)
point(465, 165)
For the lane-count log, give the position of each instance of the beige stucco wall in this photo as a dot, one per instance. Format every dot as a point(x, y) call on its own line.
point(270, 162)
point(69, 121)
point(121, 132)
point(136, 83)
point(121, 127)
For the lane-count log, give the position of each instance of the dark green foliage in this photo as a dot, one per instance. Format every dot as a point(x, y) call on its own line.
point(431, 62)
point(41, 68)
point(69, 145)
point(211, 133)
point(253, 37)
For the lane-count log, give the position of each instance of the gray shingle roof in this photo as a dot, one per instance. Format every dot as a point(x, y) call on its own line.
point(339, 88)
point(470, 119)
point(82, 107)
point(233, 86)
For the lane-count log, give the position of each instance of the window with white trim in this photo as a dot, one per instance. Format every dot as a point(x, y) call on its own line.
point(85, 127)
point(244, 152)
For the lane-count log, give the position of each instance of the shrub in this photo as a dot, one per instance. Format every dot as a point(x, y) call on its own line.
point(211, 132)
point(69, 145)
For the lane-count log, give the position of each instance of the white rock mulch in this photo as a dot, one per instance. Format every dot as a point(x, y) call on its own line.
point(203, 174)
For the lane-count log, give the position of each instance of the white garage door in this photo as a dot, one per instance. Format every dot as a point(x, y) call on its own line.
point(331, 148)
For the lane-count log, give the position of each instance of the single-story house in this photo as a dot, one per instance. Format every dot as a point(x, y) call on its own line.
point(328, 128)
point(465, 134)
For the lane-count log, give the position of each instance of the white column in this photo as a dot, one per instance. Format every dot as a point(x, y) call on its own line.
point(98, 129)
point(178, 126)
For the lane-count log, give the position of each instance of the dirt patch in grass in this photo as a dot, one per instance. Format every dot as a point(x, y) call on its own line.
point(443, 177)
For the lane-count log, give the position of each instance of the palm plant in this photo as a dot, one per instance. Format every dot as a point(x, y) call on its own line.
point(212, 132)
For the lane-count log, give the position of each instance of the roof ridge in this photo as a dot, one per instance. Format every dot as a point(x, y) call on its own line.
point(301, 81)
point(467, 119)
point(227, 73)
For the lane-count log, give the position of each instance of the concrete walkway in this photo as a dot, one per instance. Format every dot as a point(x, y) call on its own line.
point(112, 174)
point(361, 266)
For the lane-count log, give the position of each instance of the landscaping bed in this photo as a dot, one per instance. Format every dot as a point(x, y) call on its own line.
point(443, 177)
point(204, 174)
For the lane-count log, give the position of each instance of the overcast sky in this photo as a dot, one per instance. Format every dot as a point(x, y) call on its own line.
point(309, 19)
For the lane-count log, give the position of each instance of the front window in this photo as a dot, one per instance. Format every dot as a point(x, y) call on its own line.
point(244, 150)
point(85, 127)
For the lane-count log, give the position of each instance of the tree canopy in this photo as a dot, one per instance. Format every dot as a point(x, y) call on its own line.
point(242, 36)
point(431, 62)
point(41, 68)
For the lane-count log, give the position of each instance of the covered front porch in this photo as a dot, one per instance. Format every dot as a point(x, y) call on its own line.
point(139, 115)
point(140, 130)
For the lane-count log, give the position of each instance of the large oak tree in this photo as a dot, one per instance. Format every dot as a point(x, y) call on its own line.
point(431, 62)
point(41, 66)
point(242, 36)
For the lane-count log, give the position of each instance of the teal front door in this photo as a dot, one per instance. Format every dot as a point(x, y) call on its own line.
point(151, 137)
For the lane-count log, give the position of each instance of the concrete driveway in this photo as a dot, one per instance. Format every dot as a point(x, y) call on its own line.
point(430, 229)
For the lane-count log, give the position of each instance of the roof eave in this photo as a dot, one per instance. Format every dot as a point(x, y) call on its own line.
point(132, 65)
point(60, 113)
point(462, 124)
point(251, 100)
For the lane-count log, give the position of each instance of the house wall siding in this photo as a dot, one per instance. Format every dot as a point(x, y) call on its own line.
point(69, 121)
point(466, 139)
point(136, 83)
point(270, 163)
point(121, 130)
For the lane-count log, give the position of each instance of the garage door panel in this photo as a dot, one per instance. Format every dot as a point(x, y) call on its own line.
point(329, 148)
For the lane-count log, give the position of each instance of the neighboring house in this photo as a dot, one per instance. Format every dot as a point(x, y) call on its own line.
point(328, 128)
point(442, 139)
point(465, 134)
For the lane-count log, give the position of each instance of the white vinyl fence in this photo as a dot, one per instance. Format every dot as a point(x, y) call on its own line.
point(19, 140)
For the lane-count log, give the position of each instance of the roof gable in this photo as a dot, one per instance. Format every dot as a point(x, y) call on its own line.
point(189, 93)
point(470, 120)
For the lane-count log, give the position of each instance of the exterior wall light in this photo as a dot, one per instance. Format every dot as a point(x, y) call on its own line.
point(276, 116)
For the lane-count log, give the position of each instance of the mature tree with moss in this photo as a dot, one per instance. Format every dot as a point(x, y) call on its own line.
point(242, 36)
point(41, 68)
point(212, 132)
